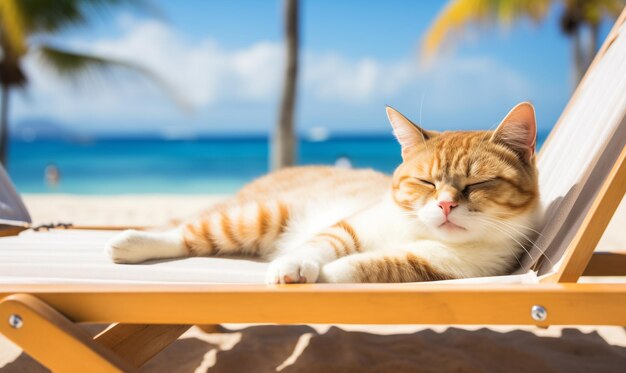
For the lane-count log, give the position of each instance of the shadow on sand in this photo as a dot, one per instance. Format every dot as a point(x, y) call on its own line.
point(302, 349)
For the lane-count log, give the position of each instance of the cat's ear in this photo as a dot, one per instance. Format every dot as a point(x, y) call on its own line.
point(518, 131)
point(408, 133)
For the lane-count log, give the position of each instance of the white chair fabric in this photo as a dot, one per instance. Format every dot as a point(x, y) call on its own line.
point(583, 148)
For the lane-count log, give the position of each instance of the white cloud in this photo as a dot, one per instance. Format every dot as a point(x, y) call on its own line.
point(204, 72)
point(333, 77)
point(212, 77)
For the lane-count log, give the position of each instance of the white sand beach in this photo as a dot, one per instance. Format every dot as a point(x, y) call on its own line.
point(341, 348)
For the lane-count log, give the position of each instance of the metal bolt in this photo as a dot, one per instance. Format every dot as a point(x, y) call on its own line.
point(16, 321)
point(538, 313)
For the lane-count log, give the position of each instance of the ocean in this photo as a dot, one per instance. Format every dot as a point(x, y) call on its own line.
point(138, 166)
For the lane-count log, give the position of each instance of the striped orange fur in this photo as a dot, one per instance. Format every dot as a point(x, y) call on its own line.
point(403, 268)
point(245, 229)
point(461, 204)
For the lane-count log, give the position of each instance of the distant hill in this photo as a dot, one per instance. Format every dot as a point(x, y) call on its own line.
point(42, 129)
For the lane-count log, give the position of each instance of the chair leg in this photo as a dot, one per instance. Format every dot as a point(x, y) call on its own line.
point(211, 328)
point(606, 264)
point(138, 343)
point(52, 339)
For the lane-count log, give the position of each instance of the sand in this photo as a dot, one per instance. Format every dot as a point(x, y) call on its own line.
point(341, 348)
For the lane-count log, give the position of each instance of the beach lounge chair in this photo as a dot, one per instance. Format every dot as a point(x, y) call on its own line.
point(50, 281)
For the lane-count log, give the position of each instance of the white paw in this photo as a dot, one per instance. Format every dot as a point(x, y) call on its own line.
point(129, 246)
point(339, 271)
point(292, 270)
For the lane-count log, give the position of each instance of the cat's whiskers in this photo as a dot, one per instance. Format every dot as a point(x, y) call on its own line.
point(512, 225)
point(497, 218)
point(515, 256)
point(421, 106)
point(514, 235)
point(517, 224)
point(515, 231)
point(533, 244)
point(508, 234)
point(510, 251)
point(409, 214)
point(420, 120)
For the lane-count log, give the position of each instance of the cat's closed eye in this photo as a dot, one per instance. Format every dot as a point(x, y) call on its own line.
point(469, 187)
point(425, 182)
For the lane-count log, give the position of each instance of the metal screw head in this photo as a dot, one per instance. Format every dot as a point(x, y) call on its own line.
point(538, 313)
point(16, 321)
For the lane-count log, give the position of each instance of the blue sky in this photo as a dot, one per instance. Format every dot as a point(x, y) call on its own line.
point(225, 57)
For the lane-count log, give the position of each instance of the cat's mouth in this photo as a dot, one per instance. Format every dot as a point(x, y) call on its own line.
point(448, 225)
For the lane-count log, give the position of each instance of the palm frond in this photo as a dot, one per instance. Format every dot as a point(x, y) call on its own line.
point(22, 18)
point(74, 66)
point(594, 10)
point(460, 14)
point(12, 25)
point(53, 15)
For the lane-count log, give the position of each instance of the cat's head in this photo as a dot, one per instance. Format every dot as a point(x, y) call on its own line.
point(465, 185)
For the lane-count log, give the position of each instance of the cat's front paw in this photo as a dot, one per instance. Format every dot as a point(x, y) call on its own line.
point(128, 247)
point(339, 271)
point(292, 270)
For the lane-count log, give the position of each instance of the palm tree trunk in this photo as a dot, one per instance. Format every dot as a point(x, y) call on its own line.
point(594, 31)
point(4, 125)
point(284, 141)
point(579, 57)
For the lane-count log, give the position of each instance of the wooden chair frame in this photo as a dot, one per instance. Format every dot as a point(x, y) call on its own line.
point(42, 319)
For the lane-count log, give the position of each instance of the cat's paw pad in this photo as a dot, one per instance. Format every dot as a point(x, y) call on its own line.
point(292, 270)
point(128, 247)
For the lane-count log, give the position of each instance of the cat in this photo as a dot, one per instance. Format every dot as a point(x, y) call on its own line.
point(461, 204)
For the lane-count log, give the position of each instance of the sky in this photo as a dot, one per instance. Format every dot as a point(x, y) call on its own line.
point(222, 60)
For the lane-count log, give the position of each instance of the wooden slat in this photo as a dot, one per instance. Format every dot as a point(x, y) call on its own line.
point(138, 343)
point(6, 230)
point(606, 264)
point(53, 340)
point(582, 304)
point(581, 248)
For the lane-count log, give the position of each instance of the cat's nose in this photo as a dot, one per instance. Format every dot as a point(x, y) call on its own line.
point(447, 206)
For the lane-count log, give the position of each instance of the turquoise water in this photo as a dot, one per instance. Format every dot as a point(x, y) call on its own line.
point(185, 167)
point(182, 167)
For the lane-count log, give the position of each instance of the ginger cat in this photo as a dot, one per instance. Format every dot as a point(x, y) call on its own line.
point(461, 204)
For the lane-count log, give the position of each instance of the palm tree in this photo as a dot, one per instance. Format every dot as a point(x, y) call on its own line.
point(284, 141)
point(576, 15)
point(20, 20)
